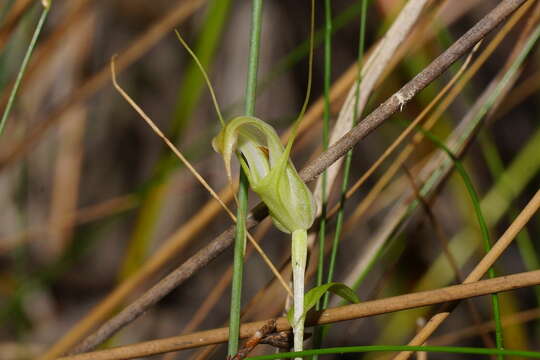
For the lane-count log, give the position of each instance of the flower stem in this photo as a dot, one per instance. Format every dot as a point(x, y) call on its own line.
point(240, 239)
point(238, 267)
point(298, 260)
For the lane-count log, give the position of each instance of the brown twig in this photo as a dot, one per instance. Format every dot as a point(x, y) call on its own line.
point(268, 328)
point(364, 128)
point(342, 313)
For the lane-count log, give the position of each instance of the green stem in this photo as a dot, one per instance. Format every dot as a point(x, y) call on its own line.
point(523, 239)
point(326, 121)
point(298, 260)
point(348, 158)
point(241, 214)
point(483, 227)
point(317, 336)
point(320, 332)
point(238, 266)
point(253, 60)
point(24, 64)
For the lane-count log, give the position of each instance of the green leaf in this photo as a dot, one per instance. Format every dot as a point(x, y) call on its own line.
point(313, 296)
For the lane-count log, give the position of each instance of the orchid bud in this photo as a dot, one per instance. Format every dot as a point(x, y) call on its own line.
point(270, 172)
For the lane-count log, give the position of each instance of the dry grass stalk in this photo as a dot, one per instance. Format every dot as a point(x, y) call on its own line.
point(65, 192)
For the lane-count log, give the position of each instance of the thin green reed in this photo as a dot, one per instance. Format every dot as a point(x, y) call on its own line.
point(241, 214)
point(348, 158)
point(26, 60)
point(387, 348)
point(483, 228)
point(300, 52)
point(319, 333)
point(325, 129)
point(317, 337)
point(495, 166)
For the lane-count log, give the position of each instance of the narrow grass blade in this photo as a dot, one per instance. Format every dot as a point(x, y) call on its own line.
point(24, 64)
point(387, 348)
point(240, 237)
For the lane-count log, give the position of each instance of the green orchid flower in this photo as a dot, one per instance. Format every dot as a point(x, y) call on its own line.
point(274, 178)
point(270, 172)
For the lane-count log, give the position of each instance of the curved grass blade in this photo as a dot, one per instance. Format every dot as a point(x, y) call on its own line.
point(24, 64)
point(482, 223)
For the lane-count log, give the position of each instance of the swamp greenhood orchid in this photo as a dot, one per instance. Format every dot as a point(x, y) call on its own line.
point(273, 177)
point(270, 172)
